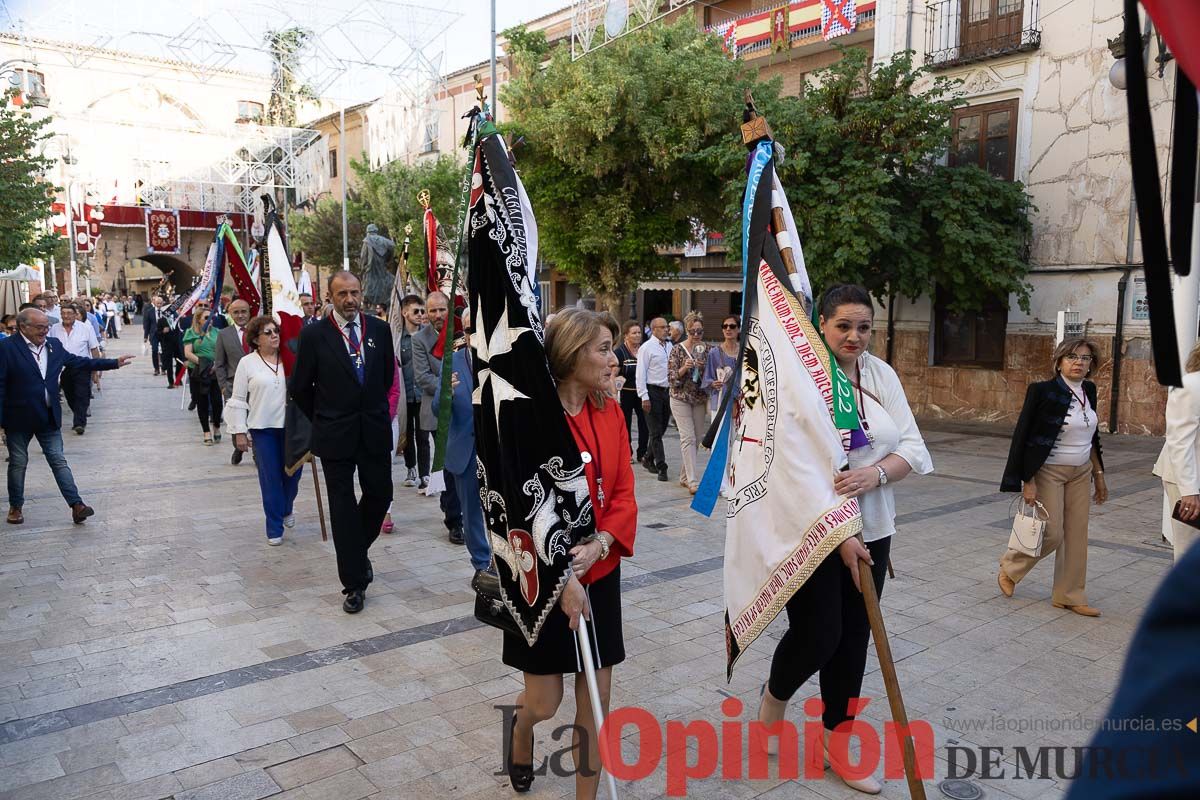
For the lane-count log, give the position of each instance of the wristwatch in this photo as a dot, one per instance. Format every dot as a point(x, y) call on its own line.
point(882, 475)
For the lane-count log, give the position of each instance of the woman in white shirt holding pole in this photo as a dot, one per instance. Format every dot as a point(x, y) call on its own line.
point(1179, 462)
point(255, 414)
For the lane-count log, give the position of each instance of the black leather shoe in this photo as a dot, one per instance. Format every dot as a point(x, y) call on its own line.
point(236, 458)
point(355, 601)
point(662, 476)
point(485, 578)
point(370, 572)
point(192, 406)
point(519, 775)
point(456, 535)
point(78, 430)
point(649, 465)
point(80, 512)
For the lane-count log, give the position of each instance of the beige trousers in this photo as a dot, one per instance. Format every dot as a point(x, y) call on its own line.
point(691, 421)
point(1184, 535)
point(1066, 494)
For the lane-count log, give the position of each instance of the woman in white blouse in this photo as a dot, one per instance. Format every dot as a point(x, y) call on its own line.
point(827, 619)
point(255, 414)
point(1179, 462)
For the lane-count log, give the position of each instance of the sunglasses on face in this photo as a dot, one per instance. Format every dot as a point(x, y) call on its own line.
point(729, 326)
point(269, 332)
point(696, 331)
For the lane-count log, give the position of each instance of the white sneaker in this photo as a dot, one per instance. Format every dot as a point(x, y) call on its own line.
point(275, 541)
point(411, 480)
point(289, 521)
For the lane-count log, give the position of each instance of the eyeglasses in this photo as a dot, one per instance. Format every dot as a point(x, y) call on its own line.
point(1076, 358)
point(696, 331)
point(418, 311)
point(729, 326)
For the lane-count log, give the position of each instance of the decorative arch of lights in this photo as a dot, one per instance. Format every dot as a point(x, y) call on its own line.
point(392, 49)
point(595, 23)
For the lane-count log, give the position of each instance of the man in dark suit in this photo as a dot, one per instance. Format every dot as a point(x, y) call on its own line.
point(344, 369)
point(427, 369)
point(151, 314)
point(308, 307)
point(30, 366)
point(460, 462)
point(230, 347)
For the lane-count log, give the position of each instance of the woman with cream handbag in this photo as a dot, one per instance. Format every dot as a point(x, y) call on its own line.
point(1054, 461)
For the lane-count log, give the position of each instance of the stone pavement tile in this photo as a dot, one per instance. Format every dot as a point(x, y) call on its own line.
point(252, 785)
point(395, 770)
point(159, 788)
point(349, 785)
point(320, 739)
point(69, 787)
point(311, 768)
point(35, 770)
point(314, 718)
point(208, 772)
point(366, 726)
point(267, 755)
point(151, 718)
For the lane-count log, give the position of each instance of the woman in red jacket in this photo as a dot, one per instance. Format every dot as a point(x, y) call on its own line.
point(579, 346)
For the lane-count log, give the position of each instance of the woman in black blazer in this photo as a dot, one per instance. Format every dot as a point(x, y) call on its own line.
point(1053, 460)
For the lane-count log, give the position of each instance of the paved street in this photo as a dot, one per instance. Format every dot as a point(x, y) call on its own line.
point(163, 650)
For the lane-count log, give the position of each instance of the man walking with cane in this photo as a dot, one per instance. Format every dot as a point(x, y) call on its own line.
point(344, 368)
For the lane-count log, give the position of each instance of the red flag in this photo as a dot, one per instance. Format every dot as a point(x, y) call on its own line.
point(246, 290)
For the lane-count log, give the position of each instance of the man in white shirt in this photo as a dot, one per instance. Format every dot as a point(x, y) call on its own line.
point(79, 339)
point(52, 309)
point(652, 389)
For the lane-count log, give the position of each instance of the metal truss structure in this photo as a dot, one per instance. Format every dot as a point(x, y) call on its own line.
point(347, 49)
point(595, 23)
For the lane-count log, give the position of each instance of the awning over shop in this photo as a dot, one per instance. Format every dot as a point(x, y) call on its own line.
point(697, 282)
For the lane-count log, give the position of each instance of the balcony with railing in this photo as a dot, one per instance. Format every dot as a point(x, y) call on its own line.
point(963, 31)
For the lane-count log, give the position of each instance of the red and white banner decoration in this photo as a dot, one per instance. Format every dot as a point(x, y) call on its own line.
point(838, 17)
point(162, 230)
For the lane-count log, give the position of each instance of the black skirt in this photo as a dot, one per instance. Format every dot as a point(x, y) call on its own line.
point(555, 651)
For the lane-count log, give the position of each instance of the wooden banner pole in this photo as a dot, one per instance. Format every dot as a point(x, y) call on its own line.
point(883, 648)
point(320, 504)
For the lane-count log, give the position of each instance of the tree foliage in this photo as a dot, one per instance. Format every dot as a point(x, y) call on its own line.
point(389, 198)
point(25, 195)
point(287, 90)
point(874, 203)
point(318, 233)
point(620, 149)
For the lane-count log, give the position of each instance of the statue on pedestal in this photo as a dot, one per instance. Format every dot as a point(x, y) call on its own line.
point(374, 260)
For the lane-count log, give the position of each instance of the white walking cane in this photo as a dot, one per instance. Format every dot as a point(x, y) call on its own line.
point(584, 640)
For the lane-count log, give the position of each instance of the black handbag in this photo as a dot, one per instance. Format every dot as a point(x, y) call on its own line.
point(490, 608)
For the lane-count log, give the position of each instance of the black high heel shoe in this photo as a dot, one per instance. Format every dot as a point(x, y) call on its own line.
point(519, 775)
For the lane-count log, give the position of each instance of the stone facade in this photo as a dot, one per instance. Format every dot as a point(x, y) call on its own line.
point(1071, 152)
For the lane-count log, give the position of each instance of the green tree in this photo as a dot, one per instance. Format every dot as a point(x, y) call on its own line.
point(873, 201)
point(287, 90)
point(25, 195)
point(389, 198)
point(622, 147)
point(318, 233)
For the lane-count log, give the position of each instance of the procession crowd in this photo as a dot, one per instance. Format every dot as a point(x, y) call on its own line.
point(373, 398)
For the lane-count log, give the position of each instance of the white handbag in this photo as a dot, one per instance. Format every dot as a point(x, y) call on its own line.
point(1028, 528)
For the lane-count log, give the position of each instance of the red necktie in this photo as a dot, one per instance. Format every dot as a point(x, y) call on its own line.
point(245, 344)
